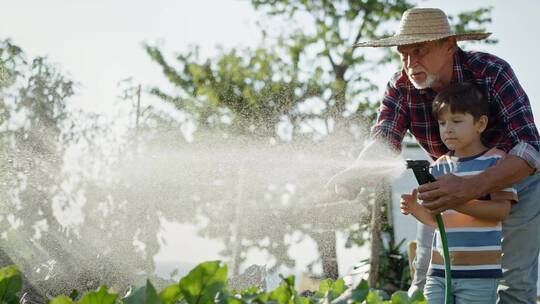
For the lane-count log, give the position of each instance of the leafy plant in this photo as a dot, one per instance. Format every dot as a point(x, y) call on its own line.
point(10, 284)
point(206, 283)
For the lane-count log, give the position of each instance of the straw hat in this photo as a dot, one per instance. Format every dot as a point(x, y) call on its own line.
point(421, 25)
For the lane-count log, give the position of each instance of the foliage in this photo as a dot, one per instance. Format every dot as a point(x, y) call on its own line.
point(206, 284)
point(246, 92)
point(10, 284)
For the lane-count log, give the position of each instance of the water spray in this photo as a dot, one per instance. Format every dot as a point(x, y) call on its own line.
point(421, 172)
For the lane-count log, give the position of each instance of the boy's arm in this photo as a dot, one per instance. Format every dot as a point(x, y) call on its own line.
point(409, 205)
point(423, 215)
point(491, 210)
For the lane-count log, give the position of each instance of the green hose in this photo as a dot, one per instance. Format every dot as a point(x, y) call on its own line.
point(423, 176)
point(446, 254)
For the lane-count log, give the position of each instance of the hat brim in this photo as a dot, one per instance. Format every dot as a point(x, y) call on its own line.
point(412, 39)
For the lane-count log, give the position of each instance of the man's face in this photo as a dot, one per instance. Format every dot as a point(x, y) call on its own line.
point(424, 62)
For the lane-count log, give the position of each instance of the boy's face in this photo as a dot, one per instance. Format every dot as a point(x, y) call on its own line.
point(459, 131)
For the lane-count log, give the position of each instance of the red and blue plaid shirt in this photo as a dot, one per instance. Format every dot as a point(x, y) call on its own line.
point(511, 125)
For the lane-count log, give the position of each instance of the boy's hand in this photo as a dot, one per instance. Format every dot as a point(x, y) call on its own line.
point(409, 203)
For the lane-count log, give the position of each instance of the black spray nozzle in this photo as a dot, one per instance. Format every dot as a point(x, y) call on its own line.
point(421, 171)
point(421, 164)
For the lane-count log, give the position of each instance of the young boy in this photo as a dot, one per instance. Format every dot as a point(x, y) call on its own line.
point(473, 229)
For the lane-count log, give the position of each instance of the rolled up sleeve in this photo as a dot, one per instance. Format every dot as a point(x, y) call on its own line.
point(528, 153)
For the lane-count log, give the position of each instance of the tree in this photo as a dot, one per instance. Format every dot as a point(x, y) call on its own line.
point(252, 92)
point(40, 194)
point(254, 89)
point(33, 107)
point(324, 38)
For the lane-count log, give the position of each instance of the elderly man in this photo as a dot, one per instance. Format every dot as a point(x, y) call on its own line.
point(431, 61)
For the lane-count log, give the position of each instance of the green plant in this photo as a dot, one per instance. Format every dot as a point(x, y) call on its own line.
point(207, 283)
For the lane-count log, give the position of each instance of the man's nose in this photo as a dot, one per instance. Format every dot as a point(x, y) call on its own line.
point(411, 61)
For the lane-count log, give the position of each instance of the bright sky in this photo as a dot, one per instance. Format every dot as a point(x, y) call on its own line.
point(98, 42)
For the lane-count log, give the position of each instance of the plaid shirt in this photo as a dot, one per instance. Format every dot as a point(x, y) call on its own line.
point(511, 125)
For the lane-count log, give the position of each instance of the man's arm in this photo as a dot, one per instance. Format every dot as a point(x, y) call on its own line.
point(388, 132)
point(492, 210)
point(451, 191)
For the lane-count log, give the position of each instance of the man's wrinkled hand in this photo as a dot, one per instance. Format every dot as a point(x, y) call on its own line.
point(447, 192)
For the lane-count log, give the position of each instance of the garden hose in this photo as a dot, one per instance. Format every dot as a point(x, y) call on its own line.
point(421, 172)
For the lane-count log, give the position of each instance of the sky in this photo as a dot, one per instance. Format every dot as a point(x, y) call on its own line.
point(98, 42)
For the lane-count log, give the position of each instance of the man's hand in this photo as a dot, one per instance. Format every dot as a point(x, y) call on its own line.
point(344, 184)
point(364, 172)
point(448, 192)
point(409, 203)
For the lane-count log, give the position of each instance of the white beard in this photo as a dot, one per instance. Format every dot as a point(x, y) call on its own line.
point(430, 79)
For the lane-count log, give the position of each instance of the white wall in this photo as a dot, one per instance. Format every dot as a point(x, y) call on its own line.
point(405, 225)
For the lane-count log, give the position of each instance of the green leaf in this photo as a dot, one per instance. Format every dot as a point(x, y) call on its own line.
point(226, 298)
point(373, 297)
point(61, 300)
point(289, 281)
point(418, 298)
point(400, 297)
point(330, 290)
point(253, 290)
point(202, 283)
point(360, 292)
point(281, 295)
point(144, 295)
point(301, 300)
point(285, 293)
point(101, 296)
point(10, 284)
point(171, 294)
point(339, 287)
point(254, 295)
point(324, 286)
point(354, 295)
point(74, 294)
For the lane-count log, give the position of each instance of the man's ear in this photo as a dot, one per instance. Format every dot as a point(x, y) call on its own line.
point(451, 44)
point(481, 123)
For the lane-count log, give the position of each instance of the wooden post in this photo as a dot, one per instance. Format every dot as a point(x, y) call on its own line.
point(236, 231)
point(381, 195)
point(138, 114)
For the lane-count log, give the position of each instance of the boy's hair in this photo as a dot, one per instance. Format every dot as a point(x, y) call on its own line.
point(462, 97)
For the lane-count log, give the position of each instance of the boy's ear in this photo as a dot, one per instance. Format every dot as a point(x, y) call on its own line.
point(482, 123)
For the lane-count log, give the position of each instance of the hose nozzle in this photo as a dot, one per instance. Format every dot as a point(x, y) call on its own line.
point(421, 171)
point(413, 164)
